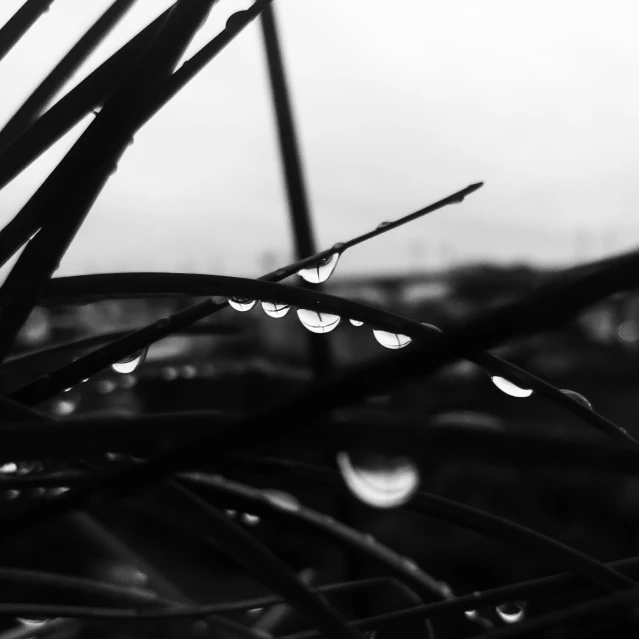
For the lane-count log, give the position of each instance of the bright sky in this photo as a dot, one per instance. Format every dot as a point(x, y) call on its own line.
point(397, 105)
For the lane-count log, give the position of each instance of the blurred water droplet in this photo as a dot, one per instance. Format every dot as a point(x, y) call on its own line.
point(105, 386)
point(131, 362)
point(391, 340)
point(381, 481)
point(321, 270)
point(255, 611)
point(509, 388)
point(189, 371)
point(250, 520)
point(200, 628)
point(577, 396)
point(241, 304)
point(230, 513)
point(382, 225)
point(59, 490)
point(127, 575)
point(32, 622)
point(84, 381)
point(168, 373)
point(63, 407)
point(510, 612)
point(66, 390)
point(128, 381)
point(9, 468)
point(471, 614)
point(282, 500)
point(355, 322)
point(274, 309)
point(318, 322)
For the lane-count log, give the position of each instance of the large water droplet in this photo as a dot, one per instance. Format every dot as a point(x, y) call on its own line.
point(471, 614)
point(274, 309)
point(379, 480)
point(282, 500)
point(318, 322)
point(511, 612)
point(356, 322)
point(241, 303)
point(131, 362)
point(509, 388)
point(321, 270)
point(577, 396)
point(391, 340)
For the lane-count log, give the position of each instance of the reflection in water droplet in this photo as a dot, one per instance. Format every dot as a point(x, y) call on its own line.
point(318, 322)
point(382, 225)
point(250, 520)
point(32, 622)
point(356, 322)
point(321, 270)
point(509, 388)
point(282, 500)
point(241, 304)
point(12, 494)
point(391, 340)
point(131, 362)
point(577, 396)
point(274, 309)
point(510, 612)
point(381, 481)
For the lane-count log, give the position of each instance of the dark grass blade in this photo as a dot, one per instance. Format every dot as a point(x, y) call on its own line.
point(70, 63)
point(24, 18)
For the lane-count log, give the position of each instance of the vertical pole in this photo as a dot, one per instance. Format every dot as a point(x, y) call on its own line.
point(295, 186)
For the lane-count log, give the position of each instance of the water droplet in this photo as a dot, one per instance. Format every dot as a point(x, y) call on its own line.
point(577, 396)
point(282, 500)
point(189, 371)
point(9, 468)
point(391, 340)
point(12, 494)
point(250, 520)
point(131, 362)
point(318, 322)
point(168, 373)
point(381, 481)
point(230, 513)
point(509, 388)
point(321, 270)
point(274, 309)
point(84, 381)
point(32, 622)
point(128, 381)
point(382, 225)
point(63, 407)
point(355, 322)
point(241, 304)
point(511, 612)
point(471, 614)
point(237, 20)
point(66, 390)
point(105, 386)
point(59, 490)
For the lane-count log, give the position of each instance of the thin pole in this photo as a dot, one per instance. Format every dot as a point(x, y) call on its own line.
point(20, 23)
point(291, 161)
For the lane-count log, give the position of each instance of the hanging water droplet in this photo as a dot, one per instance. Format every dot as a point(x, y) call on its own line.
point(411, 565)
point(321, 270)
point(282, 500)
point(510, 612)
point(391, 340)
point(32, 622)
point(250, 520)
point(577, 396)
point(355, 322)
point(382, 225)
point(274, 309)
point(241, 304)
point(381, 481)
point(318, 322)
point(131, 362)
point(509, 388)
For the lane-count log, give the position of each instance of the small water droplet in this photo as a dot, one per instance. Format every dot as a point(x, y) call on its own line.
point(12, 494)
point(84, 381)
point(32, 622)
point(230, 513)
point(381, 481)
point(510, 612)
point(189, 371)
point(355, 322)
point(318, 322)
point(63, 407)
point(274, 309)
point(509, 388)
point(237, 20)
point(577, 396)
point(435, 328)
point(168, 373)
point(321, 270)
point(241, 304)
point(105, 386)
point(282, 500)
point(368, 538)
point(471, 614)
point(391, 340)
point(255, 611)
point(59, 490)
point(66, 390)
point(128, 381)
point(131, 362)
point(382, 225)
point(250, 520)
point(9, 468)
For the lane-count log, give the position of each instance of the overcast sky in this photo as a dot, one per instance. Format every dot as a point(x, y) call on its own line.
point(397, 104)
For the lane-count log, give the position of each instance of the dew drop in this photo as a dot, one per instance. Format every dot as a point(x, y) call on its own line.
point(32, 622)
point(12, 494)
point(318, 322)
point(241, 304)
point(510, 612)
point(509, 388)
point(382, 225)
point(274, 309)
point(250, 520)
point(356, 322)
point(131, 362)
point(577, 396)
point(282, 500)
point(321, 270)
point(381, 481)
point(391, 340)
